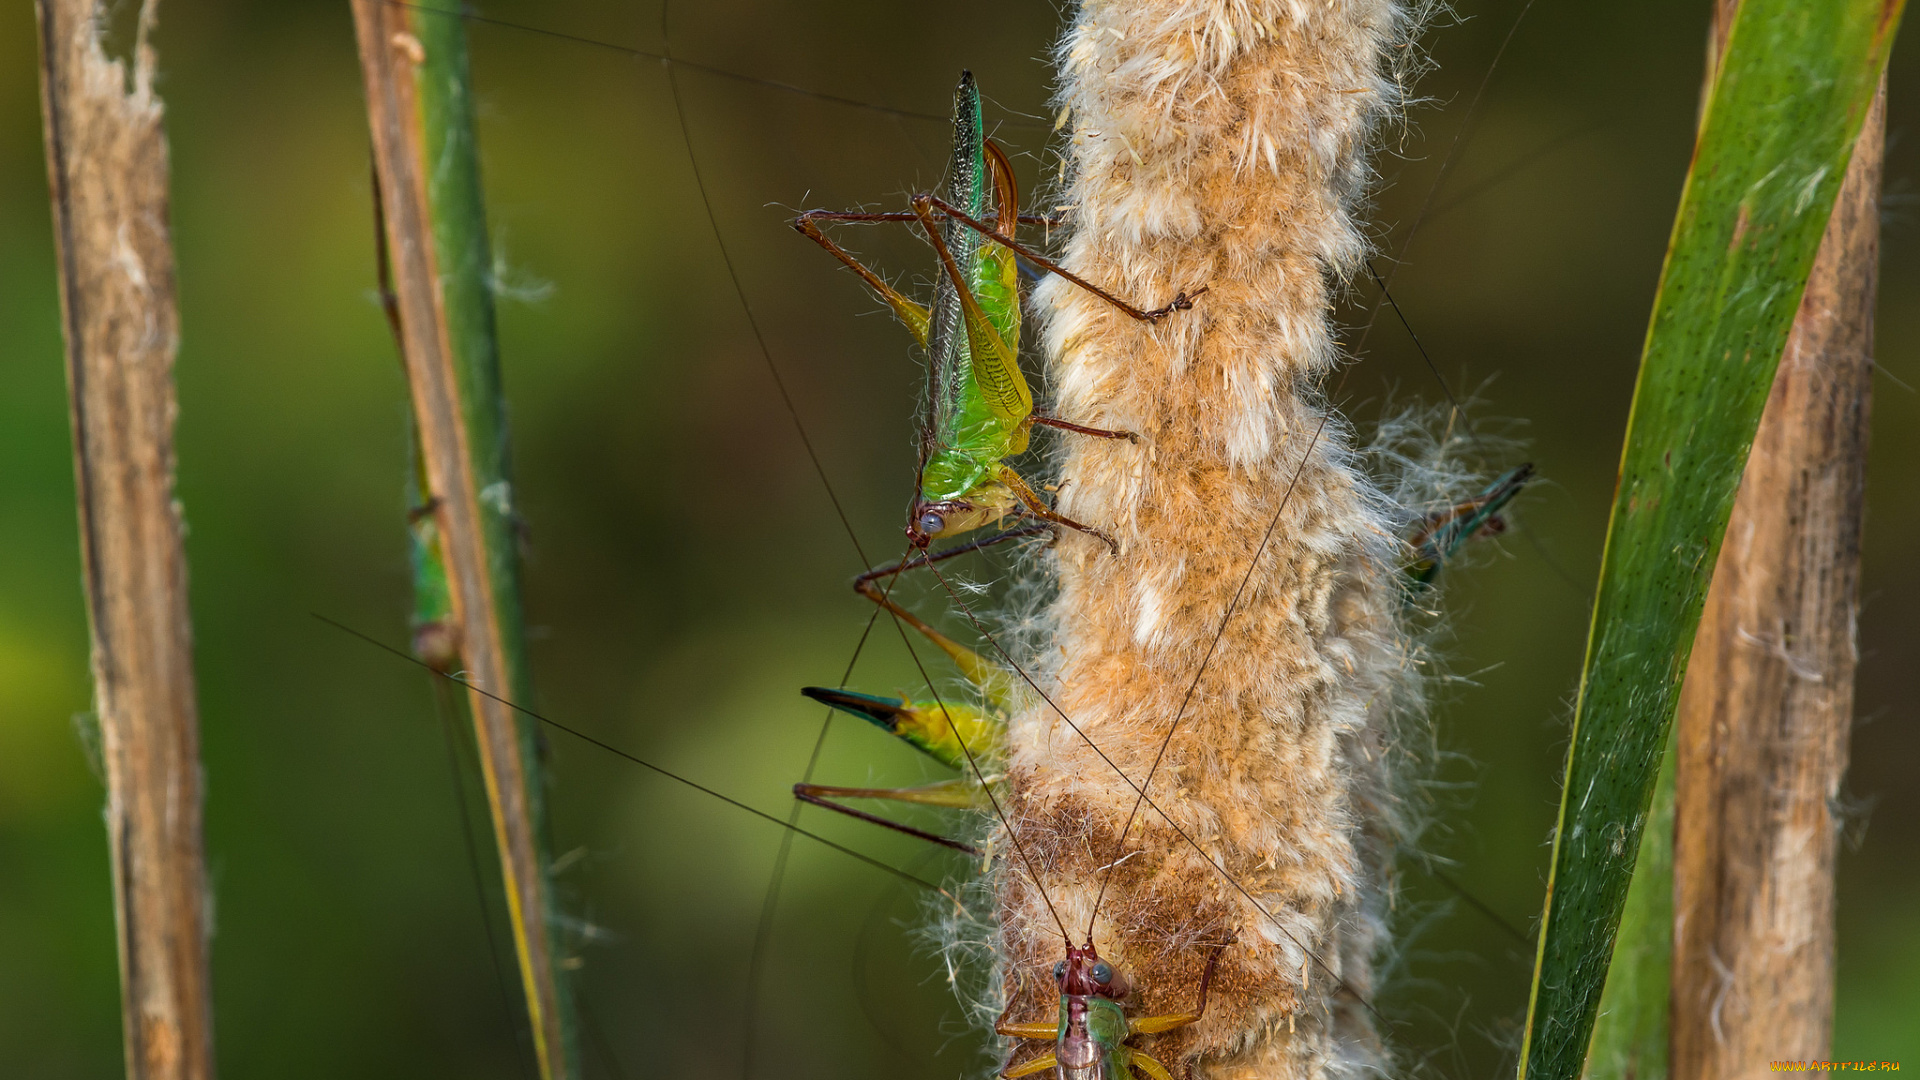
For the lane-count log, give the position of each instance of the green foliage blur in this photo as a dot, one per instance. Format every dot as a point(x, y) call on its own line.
point(687, 570)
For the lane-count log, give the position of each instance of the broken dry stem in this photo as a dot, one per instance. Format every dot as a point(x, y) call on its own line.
point(107, 173)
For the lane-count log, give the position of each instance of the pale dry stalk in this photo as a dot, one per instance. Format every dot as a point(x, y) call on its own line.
point(1221, 145)
point(1768, 701)
point(107, 173)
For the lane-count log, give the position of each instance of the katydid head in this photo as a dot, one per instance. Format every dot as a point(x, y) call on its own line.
point(1084, 974)
point(932, 519)
point(960, 491)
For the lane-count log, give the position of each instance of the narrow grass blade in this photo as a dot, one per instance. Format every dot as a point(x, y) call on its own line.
point(1778, 129)
point(434, 228)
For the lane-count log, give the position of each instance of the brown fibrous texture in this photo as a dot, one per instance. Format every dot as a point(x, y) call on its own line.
point(1252, 610)
point(107, 176)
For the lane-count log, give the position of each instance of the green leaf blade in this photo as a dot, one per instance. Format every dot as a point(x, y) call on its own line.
point(1775, 139)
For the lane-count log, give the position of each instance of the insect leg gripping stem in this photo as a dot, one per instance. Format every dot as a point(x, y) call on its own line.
point(1182, 301)
point(1078, 429)
point(1031, 502)
point(977, 669)
point(1153, 1025)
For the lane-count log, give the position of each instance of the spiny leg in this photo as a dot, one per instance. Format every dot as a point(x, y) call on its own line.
point(822, 796)
point(1031, 502)
point(977, 669)
point(1147, 1063)
point(915, 315)
point(956, 794)
point(1039, 1029)
point(1079, 429)
point(1182, 301)
point(1154, 1025)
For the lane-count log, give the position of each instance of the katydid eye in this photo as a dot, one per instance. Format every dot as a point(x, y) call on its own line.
point(1059, 971)
point(930, 523)
point(1102, 974)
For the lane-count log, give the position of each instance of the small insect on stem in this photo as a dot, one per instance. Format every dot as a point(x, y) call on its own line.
point(1091, 1033)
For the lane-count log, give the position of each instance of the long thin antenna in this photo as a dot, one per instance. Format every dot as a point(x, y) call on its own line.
point(753, 321)
point(973, 763)
point(1446, 165)
point(636, 759)
point(1171, 823)
point(472, 16)
point(1233, 605)
point(770, 905)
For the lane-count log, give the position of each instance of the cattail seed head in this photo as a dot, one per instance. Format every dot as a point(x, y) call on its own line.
point(1252, 609)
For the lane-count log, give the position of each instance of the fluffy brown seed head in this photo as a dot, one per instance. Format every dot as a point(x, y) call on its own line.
point(1217, 144)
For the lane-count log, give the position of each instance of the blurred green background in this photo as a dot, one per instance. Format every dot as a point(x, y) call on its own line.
point(688, 572)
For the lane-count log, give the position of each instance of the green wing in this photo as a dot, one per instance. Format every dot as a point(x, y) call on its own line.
point(980, 395)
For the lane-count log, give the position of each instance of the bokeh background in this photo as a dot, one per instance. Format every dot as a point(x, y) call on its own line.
point(687, 569)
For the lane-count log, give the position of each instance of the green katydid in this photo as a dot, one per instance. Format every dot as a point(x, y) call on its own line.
point(979, 404)
point(981, 413)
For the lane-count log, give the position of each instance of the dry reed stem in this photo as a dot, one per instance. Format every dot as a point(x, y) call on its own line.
point(1768, 700)
point(1221, 145)
point(107, 172)
point(391, 58)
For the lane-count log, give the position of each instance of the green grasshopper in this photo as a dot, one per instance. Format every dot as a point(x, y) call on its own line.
point(980, 407)
point(980, 412)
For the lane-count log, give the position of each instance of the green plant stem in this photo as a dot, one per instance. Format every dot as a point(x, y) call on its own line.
point(1631, 1031)
point(1776, 135)
point(464, 534)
